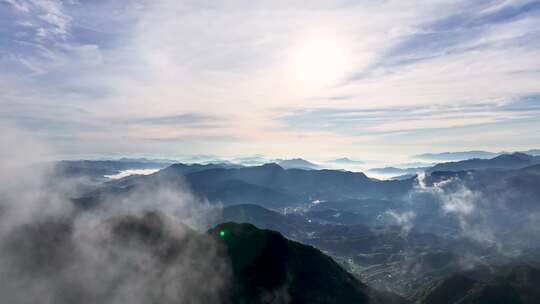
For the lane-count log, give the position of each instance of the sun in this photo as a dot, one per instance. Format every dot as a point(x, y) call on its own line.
point(319, 62)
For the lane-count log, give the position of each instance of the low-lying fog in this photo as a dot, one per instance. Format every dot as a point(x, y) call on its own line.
point(129, 172)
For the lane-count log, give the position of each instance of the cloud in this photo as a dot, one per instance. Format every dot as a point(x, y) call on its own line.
point(47, 17)
point(18, 5)
point(405, 220)
point(380, 120)
point(52, 252)
point(232, 61)
point(451, 198)
point(189, 119)
point(129, 172)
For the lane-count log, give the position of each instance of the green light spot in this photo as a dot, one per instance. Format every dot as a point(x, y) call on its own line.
point(222, 233)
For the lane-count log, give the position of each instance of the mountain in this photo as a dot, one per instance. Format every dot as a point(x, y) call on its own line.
point(268, 268)
point(533, 152)
point(446, 156)
point(455, 156)
point(297, 163)
point(352, 211)
point(172, 173)
point(97, 169)
point(397, 171)
point(404, 176)
point(389, 170)
point(515, 160)
point(504, 201)
point(292, 226)
point(302, 226)
point(505, 161)
point(517, 285)
point(255, 160)
point(150, 258)
point(346, 160)
point(351, 198)
point(268, 185)
point(384, 259)
point(183, 169)
point(531, 169)
point(147, 160)
point(300, 186)
point(399, 236)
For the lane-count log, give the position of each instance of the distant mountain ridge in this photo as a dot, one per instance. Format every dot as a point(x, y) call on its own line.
point(346, 160)
point(397, 171)
point(504, 161)
point(515, 160)
point(269, 185)
point(297, 163)
point(448, 156)
point(454, 156)
point(98, 169)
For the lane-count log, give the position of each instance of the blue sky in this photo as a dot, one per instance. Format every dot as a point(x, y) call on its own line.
point(321, 79)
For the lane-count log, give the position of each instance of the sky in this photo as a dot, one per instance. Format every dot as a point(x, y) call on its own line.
point(317, 79)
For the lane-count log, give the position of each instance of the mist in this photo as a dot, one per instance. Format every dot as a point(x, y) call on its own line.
point(129, 172)
point(52, 252)
point(489, 212)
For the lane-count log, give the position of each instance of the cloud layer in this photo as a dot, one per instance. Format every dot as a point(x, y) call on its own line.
point(243, 77)
point(53, 253)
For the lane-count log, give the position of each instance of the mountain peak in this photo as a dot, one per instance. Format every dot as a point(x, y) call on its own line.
point(346, 160)
point(297, 163)
point(271, 166)
point(267, 267)
point(515, 155)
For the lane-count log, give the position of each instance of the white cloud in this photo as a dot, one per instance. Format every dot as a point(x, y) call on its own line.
point(233, 60)
point(456, 199)
point(49, 16)
point(405, 219)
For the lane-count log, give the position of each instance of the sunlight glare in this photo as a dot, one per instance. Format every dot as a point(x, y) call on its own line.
point(319, 62)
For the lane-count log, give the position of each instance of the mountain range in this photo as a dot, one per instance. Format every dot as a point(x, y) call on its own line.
point(503, 161)
point(346, 160)
point(515, 160)
point(454, 156)
point(382, 241)
point(297, 163)
point(268, 185)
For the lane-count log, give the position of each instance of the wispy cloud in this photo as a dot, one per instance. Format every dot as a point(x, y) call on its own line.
point(170, 69)
point(398, 119)
point(189, 119)
point(47, 18)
